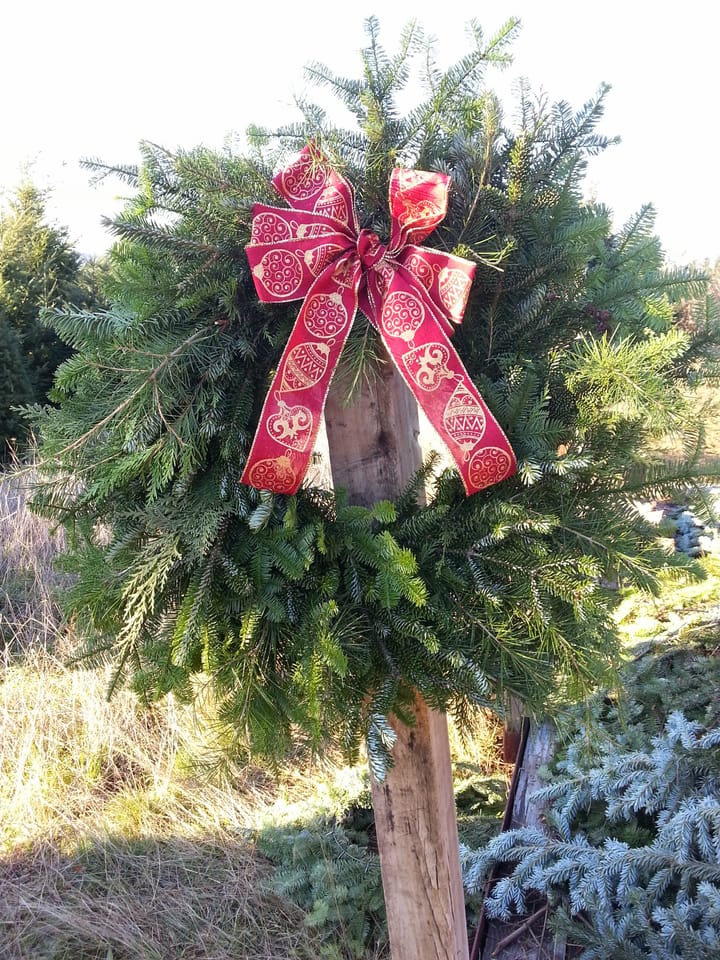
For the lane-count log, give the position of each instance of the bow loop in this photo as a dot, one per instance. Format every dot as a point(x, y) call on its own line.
point(316, 251)
point(418, 203)
point(289, 249)
point(310, 183)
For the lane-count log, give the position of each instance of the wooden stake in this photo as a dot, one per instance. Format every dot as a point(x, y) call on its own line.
point(375, 446)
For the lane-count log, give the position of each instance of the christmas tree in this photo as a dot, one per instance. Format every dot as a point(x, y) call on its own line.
point(317, 619)
point(17, 388)
point(39, 270)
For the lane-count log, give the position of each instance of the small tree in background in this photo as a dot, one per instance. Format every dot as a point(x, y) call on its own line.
point(39, 270)
point(16, 387)
point(310, 617)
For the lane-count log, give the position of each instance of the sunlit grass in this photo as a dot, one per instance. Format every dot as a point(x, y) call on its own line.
point(29, 614)
point(705, 398)
point(681, 603)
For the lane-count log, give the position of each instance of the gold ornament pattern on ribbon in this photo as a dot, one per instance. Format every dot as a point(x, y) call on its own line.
point(316, 260)
point(309, 231)
point(428, 365)
point(489, 466)
point(305, 366)
point(304, 179)
point(270, 228)
point(464, 419)
point(277, 474)
point(292, 426)
point(420, 269)
point(332, 204)
point(325, 316)
point(402, 315)
point(316, 251)
point(454, 286)
point(280, 273)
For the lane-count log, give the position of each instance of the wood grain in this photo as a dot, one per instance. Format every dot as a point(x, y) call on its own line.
point(375, 445)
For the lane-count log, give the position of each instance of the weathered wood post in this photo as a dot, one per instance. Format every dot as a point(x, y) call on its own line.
point(375, 447)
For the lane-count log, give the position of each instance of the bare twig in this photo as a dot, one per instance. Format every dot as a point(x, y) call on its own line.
point(519, 931)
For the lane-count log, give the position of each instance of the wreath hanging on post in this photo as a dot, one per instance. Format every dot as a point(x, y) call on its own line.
point(311, 617)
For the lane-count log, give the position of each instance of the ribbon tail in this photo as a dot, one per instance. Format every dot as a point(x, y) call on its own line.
point(411, 330)
point(282, 448)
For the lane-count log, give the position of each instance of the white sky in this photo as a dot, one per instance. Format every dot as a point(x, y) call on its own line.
point(86, 78)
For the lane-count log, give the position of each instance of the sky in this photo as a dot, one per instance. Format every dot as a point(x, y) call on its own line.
point(83, 78)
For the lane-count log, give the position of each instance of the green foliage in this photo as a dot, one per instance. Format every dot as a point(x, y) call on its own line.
point(330, 872)
point(306, 613)
point(39, 270)
point(630, 862)
point(16, 389)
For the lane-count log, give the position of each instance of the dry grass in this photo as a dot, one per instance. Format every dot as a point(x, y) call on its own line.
point(150, 899)
point(705, 399)
point(709, 396)
point(29, 615)
point(682, 602)
point(112, 845)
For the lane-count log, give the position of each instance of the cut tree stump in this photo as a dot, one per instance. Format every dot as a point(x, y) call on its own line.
point(521, 940)
point(538, 753)
point(375, 445)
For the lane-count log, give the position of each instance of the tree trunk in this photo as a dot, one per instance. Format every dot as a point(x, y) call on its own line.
point(375, 446)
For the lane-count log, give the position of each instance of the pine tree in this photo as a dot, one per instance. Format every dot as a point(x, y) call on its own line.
point(630, 860)
point(16, 388)
point(329, 872)
point(40, 270)
point(310, 615)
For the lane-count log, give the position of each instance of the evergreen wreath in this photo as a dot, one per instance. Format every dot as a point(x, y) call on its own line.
point(308, 616)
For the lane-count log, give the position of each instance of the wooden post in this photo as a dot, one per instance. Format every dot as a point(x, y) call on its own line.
point(512, 728)
point(374, 448)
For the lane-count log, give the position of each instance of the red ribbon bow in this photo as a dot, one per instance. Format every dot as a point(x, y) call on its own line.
point(316, 250)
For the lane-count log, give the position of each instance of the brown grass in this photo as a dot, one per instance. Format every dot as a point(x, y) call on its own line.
point(112, 845)
point(705, 400)
point(29, 614)
point(147, 899)
point(709, 397)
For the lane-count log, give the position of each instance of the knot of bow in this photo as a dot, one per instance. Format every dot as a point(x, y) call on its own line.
point(412, 295)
